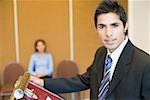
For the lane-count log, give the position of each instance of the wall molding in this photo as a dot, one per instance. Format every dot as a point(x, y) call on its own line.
point(16, 31)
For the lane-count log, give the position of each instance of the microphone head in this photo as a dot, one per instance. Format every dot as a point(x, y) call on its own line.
point(25, 79)
point(18, 94)
point(18, 82)
point(16, 86)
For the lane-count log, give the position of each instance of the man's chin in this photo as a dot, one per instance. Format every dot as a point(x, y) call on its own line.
point(110, 48)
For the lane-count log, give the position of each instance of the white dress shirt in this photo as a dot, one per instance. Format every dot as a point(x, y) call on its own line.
point(115, 56)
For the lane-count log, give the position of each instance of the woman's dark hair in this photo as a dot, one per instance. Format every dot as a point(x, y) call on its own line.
point(107, 6)
point(36, 42)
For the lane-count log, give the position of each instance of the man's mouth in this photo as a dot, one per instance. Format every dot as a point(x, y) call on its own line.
point(110, 42)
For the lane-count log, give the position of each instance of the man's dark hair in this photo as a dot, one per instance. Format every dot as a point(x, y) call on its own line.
point(107, 6)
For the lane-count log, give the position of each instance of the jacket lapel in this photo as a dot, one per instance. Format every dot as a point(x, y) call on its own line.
point(100, 66)
point(121, 67)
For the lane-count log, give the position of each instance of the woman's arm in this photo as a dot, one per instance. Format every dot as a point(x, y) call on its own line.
point(32, 66)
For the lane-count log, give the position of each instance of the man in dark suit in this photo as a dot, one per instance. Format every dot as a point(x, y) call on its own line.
point(128, 74)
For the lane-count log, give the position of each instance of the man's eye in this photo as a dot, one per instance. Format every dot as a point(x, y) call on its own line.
point(115, 25)
point(101, 27)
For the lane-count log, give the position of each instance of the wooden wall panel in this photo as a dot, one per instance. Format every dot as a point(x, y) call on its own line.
point(0, 39)
point(1, 34)
point(86, 40)
point(7, 40)
point(86, 37)
point(124, 3)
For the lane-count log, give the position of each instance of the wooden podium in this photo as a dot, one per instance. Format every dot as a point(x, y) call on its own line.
point(24, 89)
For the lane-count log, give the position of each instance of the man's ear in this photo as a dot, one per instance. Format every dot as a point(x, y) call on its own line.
point(126, 27)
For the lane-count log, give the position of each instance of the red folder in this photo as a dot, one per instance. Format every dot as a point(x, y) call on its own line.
point(42, 93)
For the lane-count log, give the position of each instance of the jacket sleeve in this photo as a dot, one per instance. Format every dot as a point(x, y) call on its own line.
point(66, 85)
point(146, 83)
point(74, 84)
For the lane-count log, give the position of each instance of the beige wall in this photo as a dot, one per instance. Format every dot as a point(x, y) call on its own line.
point(139, 23)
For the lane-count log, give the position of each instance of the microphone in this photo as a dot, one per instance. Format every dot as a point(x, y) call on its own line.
point(16, 87)
point(21, 86)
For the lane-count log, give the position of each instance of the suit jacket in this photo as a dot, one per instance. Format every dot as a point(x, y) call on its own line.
point(130, 81)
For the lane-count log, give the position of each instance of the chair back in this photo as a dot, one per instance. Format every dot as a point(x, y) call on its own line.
point(67, 68)
point(11, 72)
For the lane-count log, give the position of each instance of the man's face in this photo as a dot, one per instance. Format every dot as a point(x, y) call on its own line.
point(111, 30)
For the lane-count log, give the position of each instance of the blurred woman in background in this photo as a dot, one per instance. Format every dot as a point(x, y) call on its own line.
point(41, 62)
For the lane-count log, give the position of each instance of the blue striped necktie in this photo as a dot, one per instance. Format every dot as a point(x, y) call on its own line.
point(103, 89)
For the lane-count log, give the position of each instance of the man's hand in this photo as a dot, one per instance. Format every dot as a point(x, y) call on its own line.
point(37, 80)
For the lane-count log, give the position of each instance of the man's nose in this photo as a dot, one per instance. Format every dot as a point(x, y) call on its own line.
point(108, 32)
